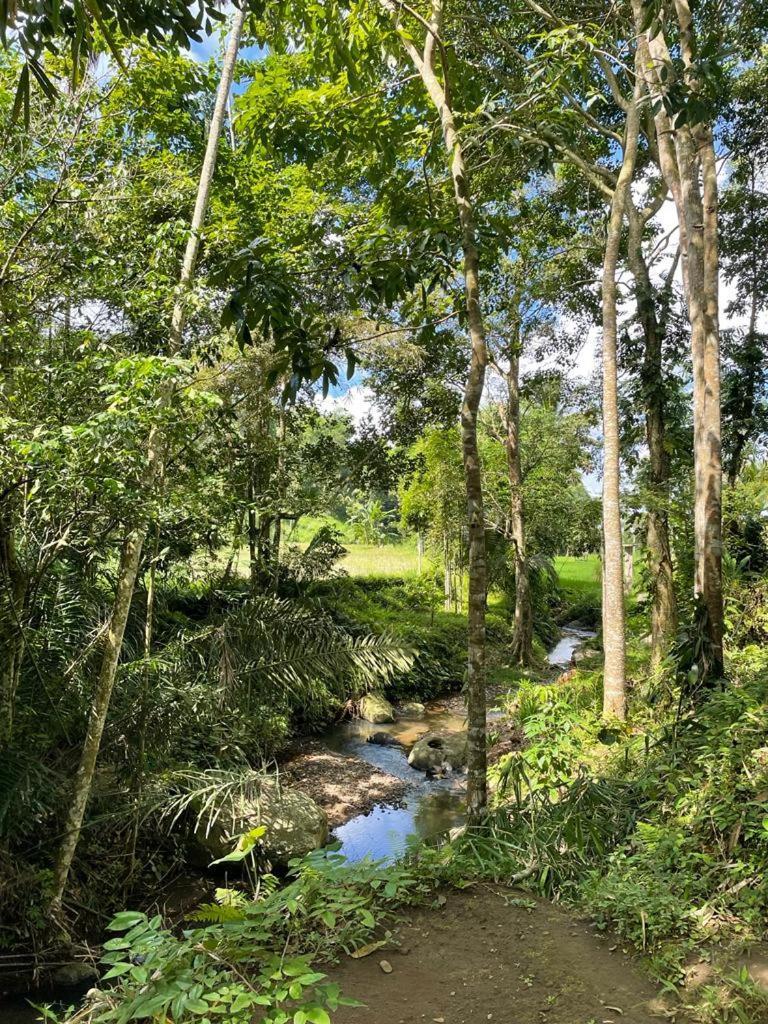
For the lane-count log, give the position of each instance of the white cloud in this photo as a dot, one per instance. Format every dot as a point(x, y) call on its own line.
point(357, 401)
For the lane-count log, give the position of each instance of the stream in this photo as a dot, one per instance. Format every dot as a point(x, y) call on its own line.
point(429, 807)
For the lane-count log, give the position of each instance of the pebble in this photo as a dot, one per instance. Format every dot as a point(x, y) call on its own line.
point(386, 966)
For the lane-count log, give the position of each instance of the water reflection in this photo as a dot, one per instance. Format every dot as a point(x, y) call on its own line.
point(572, 637)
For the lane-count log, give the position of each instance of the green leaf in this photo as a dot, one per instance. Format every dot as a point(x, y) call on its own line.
point(118, 969)
point(317, 1015)
point(126, 919)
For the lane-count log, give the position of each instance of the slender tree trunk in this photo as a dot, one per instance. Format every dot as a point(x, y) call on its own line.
point(13, 599)
point(130, 558)
point(446, 574)
point(253, 537)
point(614, 681)
point(143, 717)
point(424, 63)
point(265, 547)
point(748, 392)
point(687, 161)
point(522, 637)
point(662, 585)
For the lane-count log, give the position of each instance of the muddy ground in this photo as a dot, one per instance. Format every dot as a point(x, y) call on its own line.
point(487, 955)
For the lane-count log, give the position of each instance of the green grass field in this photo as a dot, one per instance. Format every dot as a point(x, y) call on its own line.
point(382, 560)
point(579, 574)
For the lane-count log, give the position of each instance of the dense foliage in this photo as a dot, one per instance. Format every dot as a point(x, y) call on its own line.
point(300, 401)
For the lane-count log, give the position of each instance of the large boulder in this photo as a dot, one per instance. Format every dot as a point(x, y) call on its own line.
point(436, 749)
point(374, 707)
point(295, 824)
point(413, 709)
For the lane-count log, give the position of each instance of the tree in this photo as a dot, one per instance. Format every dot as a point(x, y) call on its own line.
point(130, 557)
point(688, 163)
point(424, 63)
point(614, 672)
point(744, 243)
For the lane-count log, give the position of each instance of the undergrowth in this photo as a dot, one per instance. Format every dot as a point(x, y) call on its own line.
point(659, 829)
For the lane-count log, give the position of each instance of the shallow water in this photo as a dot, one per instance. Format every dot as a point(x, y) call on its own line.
point(572, 637)
point(429, 808)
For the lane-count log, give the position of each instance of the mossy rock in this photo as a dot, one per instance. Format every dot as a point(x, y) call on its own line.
point(413, 709)
point(374, 707)
point(437, 749)
point(295, 824)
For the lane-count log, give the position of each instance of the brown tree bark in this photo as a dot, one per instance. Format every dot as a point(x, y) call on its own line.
point(13, 600)
point(614, 678)
point(130, 558)
point(437, 90)
point(662, 585)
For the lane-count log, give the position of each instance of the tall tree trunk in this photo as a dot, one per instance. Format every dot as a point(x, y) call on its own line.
point(265, 546)
point(748, 391)
point(447, 590)
point(130, 558)
point(13, 600)
point(424, 63)
point(253, 536)
point(143, 716)
point(687, 161)
point(662, 585)
point(522, 636)
point(614, 679)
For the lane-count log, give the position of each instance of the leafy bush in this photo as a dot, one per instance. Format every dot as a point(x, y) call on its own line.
point(660, 831)
point(251, 955)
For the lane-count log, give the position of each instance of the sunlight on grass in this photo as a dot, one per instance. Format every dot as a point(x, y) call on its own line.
point(579, 574)
point(382, 560)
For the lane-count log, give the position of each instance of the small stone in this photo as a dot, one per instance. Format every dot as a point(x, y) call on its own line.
point(386, 966)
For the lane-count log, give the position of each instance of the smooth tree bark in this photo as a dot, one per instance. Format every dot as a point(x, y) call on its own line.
point(688, 164)
point(662, 583)
point(130, 558)
point(522, 636)
point(614, 679)
point(437, 90)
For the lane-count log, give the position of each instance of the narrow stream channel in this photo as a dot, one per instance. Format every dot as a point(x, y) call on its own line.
point(430, 807)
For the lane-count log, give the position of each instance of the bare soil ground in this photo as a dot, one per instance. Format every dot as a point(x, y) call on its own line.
point(343, 786)
point(485, 955)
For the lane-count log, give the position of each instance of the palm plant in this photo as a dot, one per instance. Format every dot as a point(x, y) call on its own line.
point(273, 645)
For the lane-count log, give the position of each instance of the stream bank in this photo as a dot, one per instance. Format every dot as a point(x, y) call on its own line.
point(376, 803)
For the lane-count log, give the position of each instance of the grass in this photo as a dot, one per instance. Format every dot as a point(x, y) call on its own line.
point(382, 560)
point(579, 574)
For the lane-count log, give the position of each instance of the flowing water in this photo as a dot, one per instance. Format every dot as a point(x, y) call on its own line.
point(429, 807)
point(572, 637)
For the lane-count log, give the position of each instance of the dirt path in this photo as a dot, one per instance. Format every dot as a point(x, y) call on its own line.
point(486, 956)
